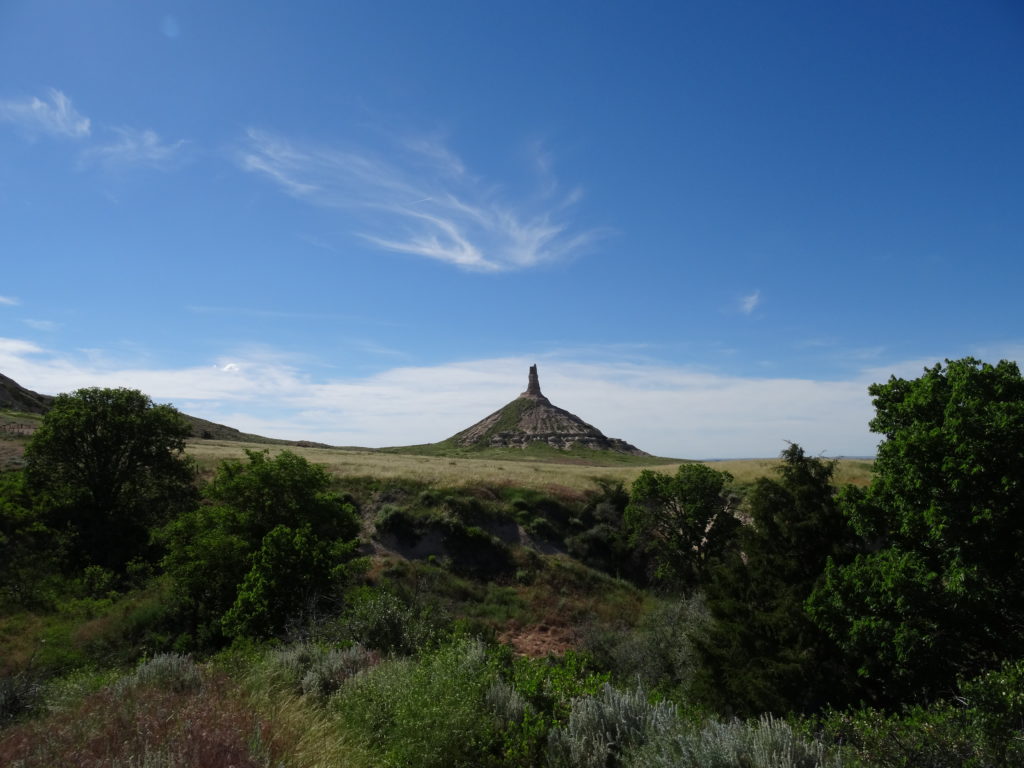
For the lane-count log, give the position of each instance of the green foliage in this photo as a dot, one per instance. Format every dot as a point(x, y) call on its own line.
point(602, 728)
point(659, 652)
point(379, 620)
point(941, 593)
point(683, 519)
point(330, 670)
point(107, 465)
point(761, 652)
point(432, 713)
point(166, 671)
point(284, 490)
point(273, 539)
point(292, 567)
point(763, 743)
point(30, 550)
point(981, 727)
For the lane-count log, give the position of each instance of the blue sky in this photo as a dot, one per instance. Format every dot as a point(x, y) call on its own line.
point(712, 224)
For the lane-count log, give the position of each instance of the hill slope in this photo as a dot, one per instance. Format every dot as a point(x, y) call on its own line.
point(532, 426)
point(14, 397)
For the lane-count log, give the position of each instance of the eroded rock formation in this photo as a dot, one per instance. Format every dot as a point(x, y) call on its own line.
point(531, 418)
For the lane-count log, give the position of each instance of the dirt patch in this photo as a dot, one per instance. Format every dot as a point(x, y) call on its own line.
point(538, 640)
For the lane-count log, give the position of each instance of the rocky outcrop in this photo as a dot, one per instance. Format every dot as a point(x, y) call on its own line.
point(532, 418)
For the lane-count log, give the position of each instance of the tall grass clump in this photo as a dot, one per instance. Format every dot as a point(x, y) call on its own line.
point(603, 727)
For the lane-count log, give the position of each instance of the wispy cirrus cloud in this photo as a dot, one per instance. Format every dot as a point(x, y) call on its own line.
point(55, 116)
point(425, 202)
point(41, 325)
point(133, 148)
point(9, 301)
point(749, 302)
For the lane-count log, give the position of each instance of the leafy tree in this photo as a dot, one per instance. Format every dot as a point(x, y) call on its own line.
point(292, 568)
point(270, 535)
point(30, 551)
point(108, 464)
point(684, 520)
point(284, 490)
point(941, 593)
point(761, 652)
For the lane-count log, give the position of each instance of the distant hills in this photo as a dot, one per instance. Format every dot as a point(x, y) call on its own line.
point(14, 397)
point(529, 427)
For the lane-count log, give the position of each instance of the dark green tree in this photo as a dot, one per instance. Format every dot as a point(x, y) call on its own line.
point(30, 551)
point(941, 593)
point(683, 520)
point(244, 550)
point(761, 652)
point(107, 465)
point(292, 569)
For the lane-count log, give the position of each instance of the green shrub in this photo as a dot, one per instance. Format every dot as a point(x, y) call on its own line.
point(602, 727)
point(20, 693)
point(430, 714)
point(659, 651)
point(763, 743)
point(289, 664)
point(378, 620)
point(166, 671)
point(330, 669)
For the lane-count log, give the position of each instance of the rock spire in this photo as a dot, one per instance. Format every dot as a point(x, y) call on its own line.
point(533, 385)
point(531, 418)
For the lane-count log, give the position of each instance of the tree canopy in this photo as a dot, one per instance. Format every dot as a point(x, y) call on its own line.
point(683, 519)
point(939, 591)
point(107, 464)
point(270, 538)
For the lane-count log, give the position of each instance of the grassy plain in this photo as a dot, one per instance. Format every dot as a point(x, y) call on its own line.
point(542, 475)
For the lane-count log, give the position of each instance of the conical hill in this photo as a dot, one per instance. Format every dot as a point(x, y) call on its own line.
point(532, 419)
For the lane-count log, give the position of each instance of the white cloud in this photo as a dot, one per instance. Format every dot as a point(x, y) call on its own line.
point(749, 303)
point(9, 301)
point(41, 325)
point(429, 205)
point(134, 147)
point(666, 410)
point(56, 117)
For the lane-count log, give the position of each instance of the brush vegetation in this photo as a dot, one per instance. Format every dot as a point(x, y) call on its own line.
point(315, 607)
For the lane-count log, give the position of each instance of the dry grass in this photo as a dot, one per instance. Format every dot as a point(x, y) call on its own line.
point(145, 728)
point(547, 476)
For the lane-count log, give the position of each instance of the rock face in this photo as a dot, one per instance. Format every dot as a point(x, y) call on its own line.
point(531, 418)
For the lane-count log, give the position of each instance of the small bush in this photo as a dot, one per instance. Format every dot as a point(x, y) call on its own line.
point(290, 663)
point(332, 668)
point(380, 621)
point(431, 714)
point(166, 671)
point(763, 743)
point(602, 728)
point(19, 694)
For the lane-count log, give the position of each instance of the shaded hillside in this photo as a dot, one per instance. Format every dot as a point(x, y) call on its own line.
point(15, 398)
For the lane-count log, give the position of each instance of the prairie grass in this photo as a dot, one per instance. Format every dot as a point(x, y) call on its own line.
point(553, 477)
point(146, 727)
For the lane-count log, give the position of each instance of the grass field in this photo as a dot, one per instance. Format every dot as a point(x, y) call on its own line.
point(545, 475)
